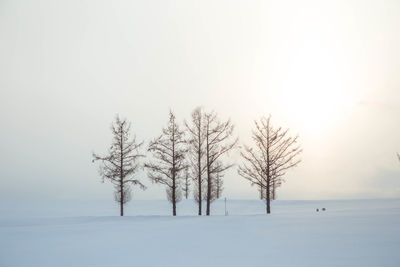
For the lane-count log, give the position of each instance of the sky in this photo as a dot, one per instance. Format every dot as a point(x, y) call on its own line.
point(327, 70)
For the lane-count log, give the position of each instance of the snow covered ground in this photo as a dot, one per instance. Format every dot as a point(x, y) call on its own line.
point(88, 233)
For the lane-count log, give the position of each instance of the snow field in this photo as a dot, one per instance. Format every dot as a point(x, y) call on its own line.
point(349, 233)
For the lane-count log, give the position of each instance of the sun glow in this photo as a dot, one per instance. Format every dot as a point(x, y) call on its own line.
point(315, 85)
point(316, 93)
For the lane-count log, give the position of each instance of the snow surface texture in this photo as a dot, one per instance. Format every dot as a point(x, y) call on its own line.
point(73, 233)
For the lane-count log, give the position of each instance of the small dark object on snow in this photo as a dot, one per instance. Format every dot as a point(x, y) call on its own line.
point(323, 209)
point(317, 210)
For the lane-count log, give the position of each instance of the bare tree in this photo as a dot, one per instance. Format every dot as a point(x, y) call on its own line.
point(169, 160)
point(186, 183)
point(121, 163)
point(274, 153)
point(196, 140)
point(218, 142)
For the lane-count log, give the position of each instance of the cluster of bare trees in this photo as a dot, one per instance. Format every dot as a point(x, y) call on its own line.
point(195, 155)
point(209, 139)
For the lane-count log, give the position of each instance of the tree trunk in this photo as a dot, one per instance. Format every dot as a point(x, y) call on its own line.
point(199, 165)
point(174, 208)
point(200, 198)
point(121, 177)
point(173, 175)
point(173, 199)
point(268, 198)
point(208, 179)
point(268, 192)
point(121, 201)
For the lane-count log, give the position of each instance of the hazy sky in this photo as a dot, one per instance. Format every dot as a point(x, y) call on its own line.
point(328, 70)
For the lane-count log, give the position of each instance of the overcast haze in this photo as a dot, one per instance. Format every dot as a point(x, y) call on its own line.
point(328, 70)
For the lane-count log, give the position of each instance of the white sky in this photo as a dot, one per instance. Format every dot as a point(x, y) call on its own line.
point(328, 70)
